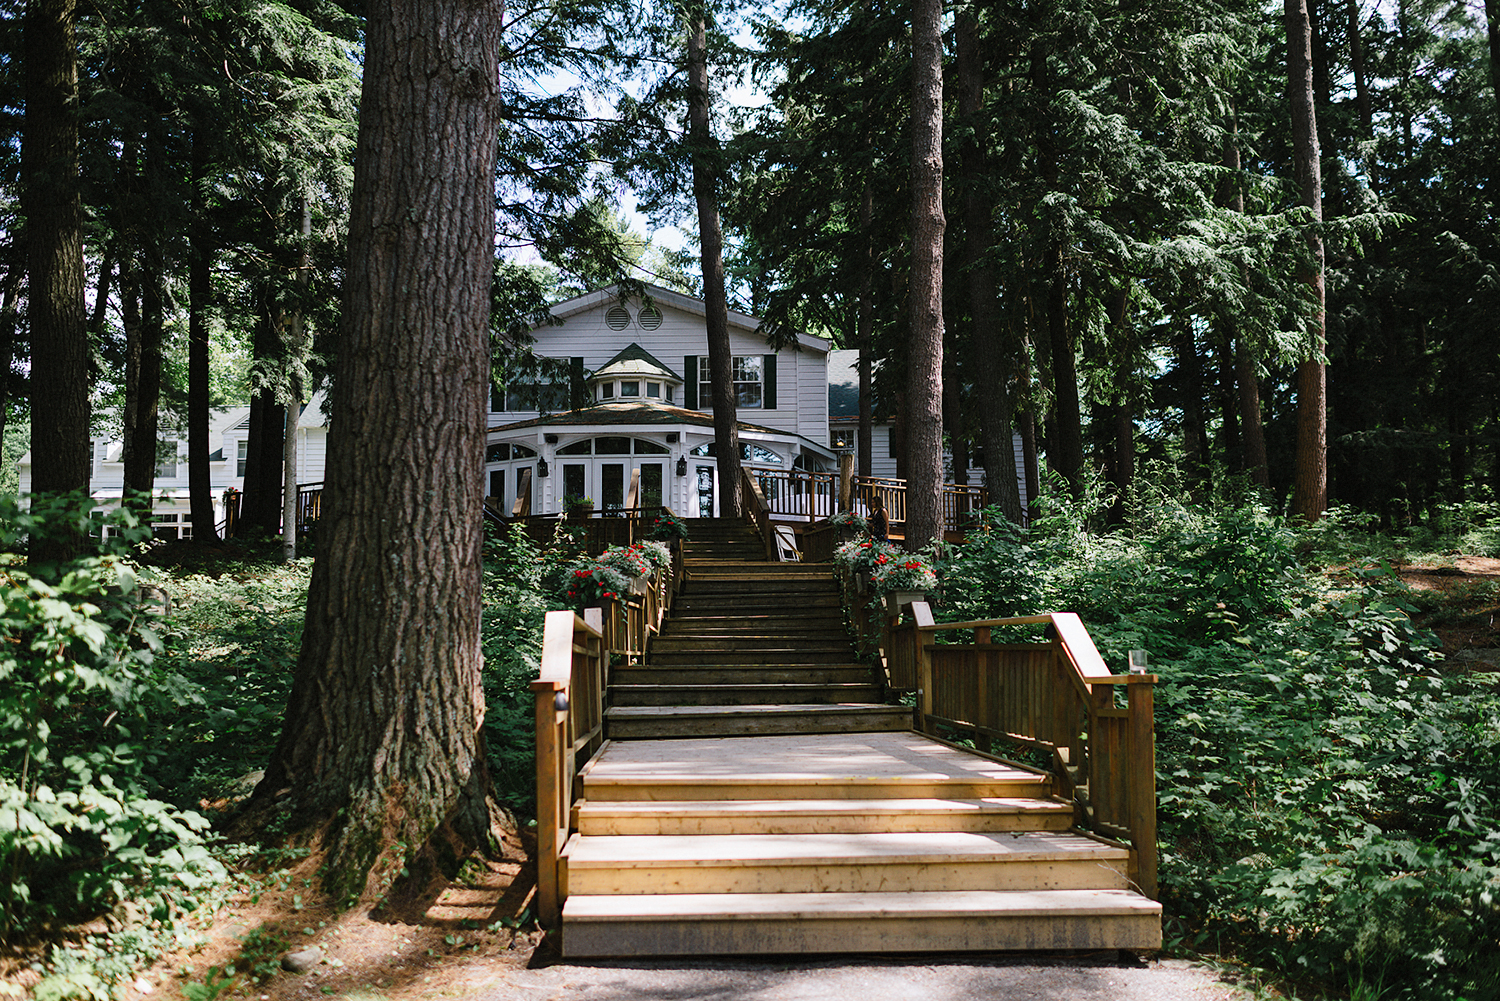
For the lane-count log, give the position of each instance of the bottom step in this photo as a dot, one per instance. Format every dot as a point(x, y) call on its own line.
point(772, 923)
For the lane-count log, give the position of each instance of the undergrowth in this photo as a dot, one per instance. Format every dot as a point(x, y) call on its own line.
point(1327, 788)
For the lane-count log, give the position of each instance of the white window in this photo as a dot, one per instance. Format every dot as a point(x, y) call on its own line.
point(241, 455)
point(630, 388)
point(653, 389)
point(166, 459)
point(744, 370)
point(606, 390)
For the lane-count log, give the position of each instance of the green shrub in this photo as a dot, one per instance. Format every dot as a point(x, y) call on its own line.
point(80, 825)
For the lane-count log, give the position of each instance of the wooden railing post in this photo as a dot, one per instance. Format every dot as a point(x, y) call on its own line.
point(554, 762)
point(1142, 779)
point(921, 613)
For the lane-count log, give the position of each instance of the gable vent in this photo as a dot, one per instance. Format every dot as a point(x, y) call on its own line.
point(618, 318)
point(649, 318)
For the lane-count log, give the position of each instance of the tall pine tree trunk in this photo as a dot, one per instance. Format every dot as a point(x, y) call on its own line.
point(200, 480)
point(992, 361)
point(142, 441)
point(866, 434)
point(382, 745)
point(924, 369)
point(296, 349)
point(260, 510)
point(62, 458)
point(711, 242)
point(1310, 492)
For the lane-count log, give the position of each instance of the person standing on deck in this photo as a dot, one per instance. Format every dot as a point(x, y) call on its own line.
point(880, 523)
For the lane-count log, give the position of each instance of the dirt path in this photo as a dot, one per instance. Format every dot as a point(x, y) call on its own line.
point(1468, 618)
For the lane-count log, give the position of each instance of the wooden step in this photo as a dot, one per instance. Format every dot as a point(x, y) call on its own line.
point(637, 722)
point(797, 923)
point(769, 656)
point(710, 633)
point(741, 694)
point(899, 861)
point(769, 642)
point(714, 674)
point(822, 816)
point(721, 603)
point(891, 765)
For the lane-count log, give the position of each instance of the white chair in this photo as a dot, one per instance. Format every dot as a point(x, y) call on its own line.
point(786, 545)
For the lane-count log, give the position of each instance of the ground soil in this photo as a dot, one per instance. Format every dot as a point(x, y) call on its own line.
point(1467, 619)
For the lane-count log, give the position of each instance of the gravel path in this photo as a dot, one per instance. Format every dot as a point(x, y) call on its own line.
point(1020, 979)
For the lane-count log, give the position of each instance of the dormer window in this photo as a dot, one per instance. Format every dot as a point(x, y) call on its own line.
point(631, 387)
point(653, 389)
point(606, 390)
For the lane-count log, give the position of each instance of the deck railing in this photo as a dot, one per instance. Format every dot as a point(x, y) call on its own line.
point(757, 512)
point(958, 502)
point(577, 652)
point(1055, 696)
point(797, 495)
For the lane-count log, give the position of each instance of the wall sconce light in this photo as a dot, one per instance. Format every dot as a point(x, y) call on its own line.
point(682, 466)
point(541, 467)
point(1137, 662)
point(550, 439)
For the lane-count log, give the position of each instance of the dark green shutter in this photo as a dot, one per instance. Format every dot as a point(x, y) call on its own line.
point(690, 382)
point(578, 390)
point(768, 383)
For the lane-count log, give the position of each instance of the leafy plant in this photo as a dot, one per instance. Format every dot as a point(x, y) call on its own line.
point(80, 827)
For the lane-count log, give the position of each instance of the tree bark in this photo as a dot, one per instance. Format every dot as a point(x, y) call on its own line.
point(62, 456)
point(993, 363)
point(867, 335)
point(143, 392)
point(1310, 492)
point(1190, 383)
point(296, 348)
point(1357, 66)
point(9, 314)
point(382, 745)
point(924, 369)
point(200, 291)
point(1065, 432)
point(260, 509)
point(711, 243)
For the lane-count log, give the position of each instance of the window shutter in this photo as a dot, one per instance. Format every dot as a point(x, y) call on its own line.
point(578, 390)
point(768, 383)
point(690, 385)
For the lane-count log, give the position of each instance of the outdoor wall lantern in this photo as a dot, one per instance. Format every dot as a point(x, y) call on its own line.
point(541, 467)
point(1137, 662)
point(682, 466)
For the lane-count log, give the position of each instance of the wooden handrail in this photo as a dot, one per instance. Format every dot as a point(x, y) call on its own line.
point(570, 690)
point(569, 695)
point(757, 512)
point(1057, 696)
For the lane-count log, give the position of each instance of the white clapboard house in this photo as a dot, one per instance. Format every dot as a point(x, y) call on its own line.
point(630, 394)
point(229, 431)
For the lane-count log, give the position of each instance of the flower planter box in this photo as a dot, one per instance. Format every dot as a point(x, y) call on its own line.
point(897, 600)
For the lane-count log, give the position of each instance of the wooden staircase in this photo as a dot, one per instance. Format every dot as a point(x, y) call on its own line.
point(792, 812)
point(752, 647)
